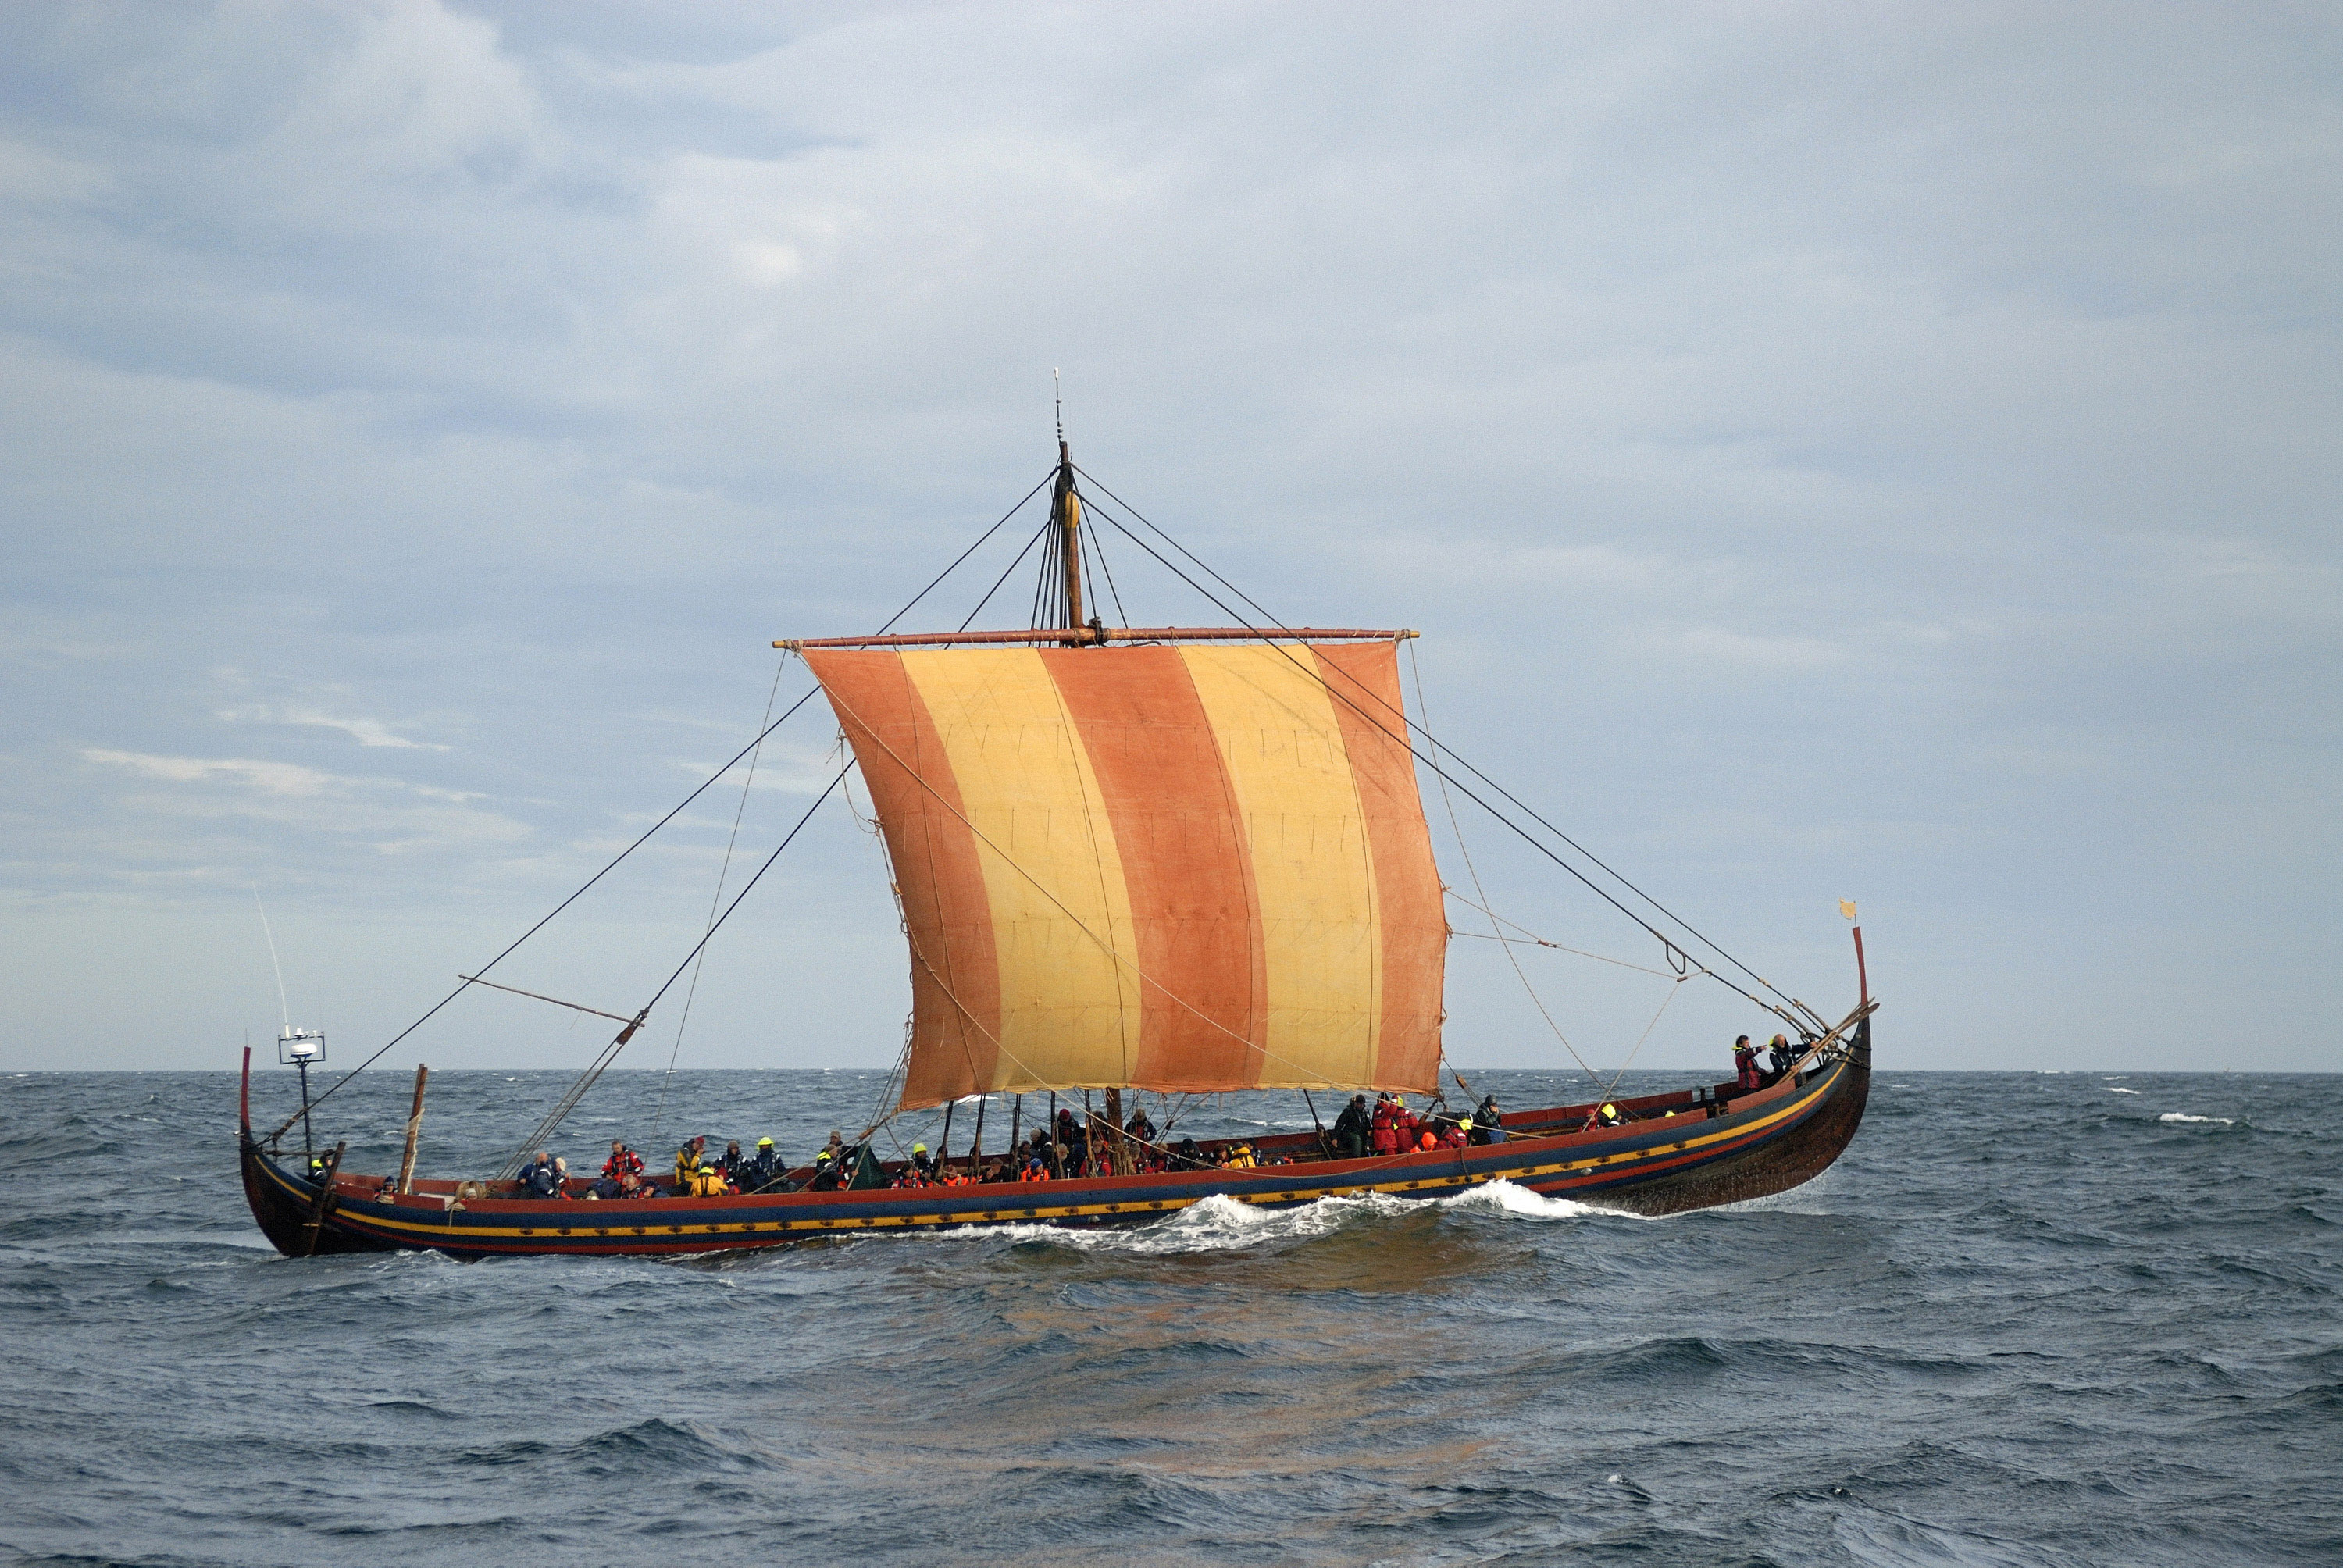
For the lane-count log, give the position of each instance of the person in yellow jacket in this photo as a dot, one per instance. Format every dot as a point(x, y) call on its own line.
point(708, 1181)
point(687, 1164)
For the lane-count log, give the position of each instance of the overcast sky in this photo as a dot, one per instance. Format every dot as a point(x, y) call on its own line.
point(1876, 452)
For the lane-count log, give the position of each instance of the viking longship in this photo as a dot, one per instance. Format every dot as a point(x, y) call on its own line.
point(1178, 860)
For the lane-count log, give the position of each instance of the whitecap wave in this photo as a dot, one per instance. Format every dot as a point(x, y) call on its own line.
point(2123, 1091)
point(1214, 1224)
point(1221, 1223)
point(1505, 1197)
point(2184, 1116)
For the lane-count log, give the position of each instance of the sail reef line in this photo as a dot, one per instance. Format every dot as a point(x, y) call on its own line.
point(1185, 869)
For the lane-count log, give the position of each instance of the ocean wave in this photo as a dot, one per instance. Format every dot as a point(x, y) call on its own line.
point(2184, 1116)
point(1505, 1197)
point(2119, 1091)
point(1221, 1223)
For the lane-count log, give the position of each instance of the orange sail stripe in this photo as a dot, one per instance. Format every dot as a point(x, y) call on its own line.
point(1364, 680)
point(1193, 869)
point(1183, 849)
point(955, 976)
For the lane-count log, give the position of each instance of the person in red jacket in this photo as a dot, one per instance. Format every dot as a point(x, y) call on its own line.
point(1384, 1128)
point(623, 1162)
point(1744, 1064)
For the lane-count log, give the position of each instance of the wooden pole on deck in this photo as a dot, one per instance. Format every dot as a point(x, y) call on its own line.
point(1115, 1141)
point(413, 1130)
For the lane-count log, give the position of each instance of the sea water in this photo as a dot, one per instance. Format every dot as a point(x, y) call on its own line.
point(2089, 1318)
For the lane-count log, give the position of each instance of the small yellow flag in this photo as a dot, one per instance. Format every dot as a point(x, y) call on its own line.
point(1846, 908)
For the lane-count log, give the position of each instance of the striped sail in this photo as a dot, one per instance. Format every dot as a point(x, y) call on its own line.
point(1193, 867)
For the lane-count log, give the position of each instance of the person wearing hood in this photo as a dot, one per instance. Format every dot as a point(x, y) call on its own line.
point(687, 1163)
point(538, 1178)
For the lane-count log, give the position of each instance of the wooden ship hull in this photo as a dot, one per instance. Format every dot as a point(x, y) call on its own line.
point(1694, 1149)
point(1188, 860)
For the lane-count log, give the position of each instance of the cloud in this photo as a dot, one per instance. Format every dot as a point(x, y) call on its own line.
point(488, 385)
point(365, 731)
point(304, 799)
point(268, 777)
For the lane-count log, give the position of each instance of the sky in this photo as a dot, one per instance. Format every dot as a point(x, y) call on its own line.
point(1886, 453)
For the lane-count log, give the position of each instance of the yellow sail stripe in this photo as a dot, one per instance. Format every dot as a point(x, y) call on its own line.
point(1068, 996)
point(1282, 747)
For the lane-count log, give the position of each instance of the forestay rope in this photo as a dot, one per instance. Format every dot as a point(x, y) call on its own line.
point(692, 993)
point(588, 885)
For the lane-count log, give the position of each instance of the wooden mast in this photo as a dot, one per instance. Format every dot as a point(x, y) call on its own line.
point(1066, 513)
point(1066, 509)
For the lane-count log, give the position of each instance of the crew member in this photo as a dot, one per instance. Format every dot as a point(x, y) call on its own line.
point(1744, 1064)
point(1353, 1127)
point(537, 1177)
point(687, 1163)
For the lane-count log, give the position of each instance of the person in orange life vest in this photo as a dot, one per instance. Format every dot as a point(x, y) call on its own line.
point(622, 1161)
point(1383, 1131)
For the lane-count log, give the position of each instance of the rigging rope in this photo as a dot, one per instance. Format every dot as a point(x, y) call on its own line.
point(610, 1052)
point(1457, 829)
point(1675, 986)
point(659, 1117)
point(1529, 938)
point(1464, 762)
point(1269, 640)
point(908, 606)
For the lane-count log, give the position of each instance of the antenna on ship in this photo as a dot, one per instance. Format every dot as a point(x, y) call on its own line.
point(295, 1047)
